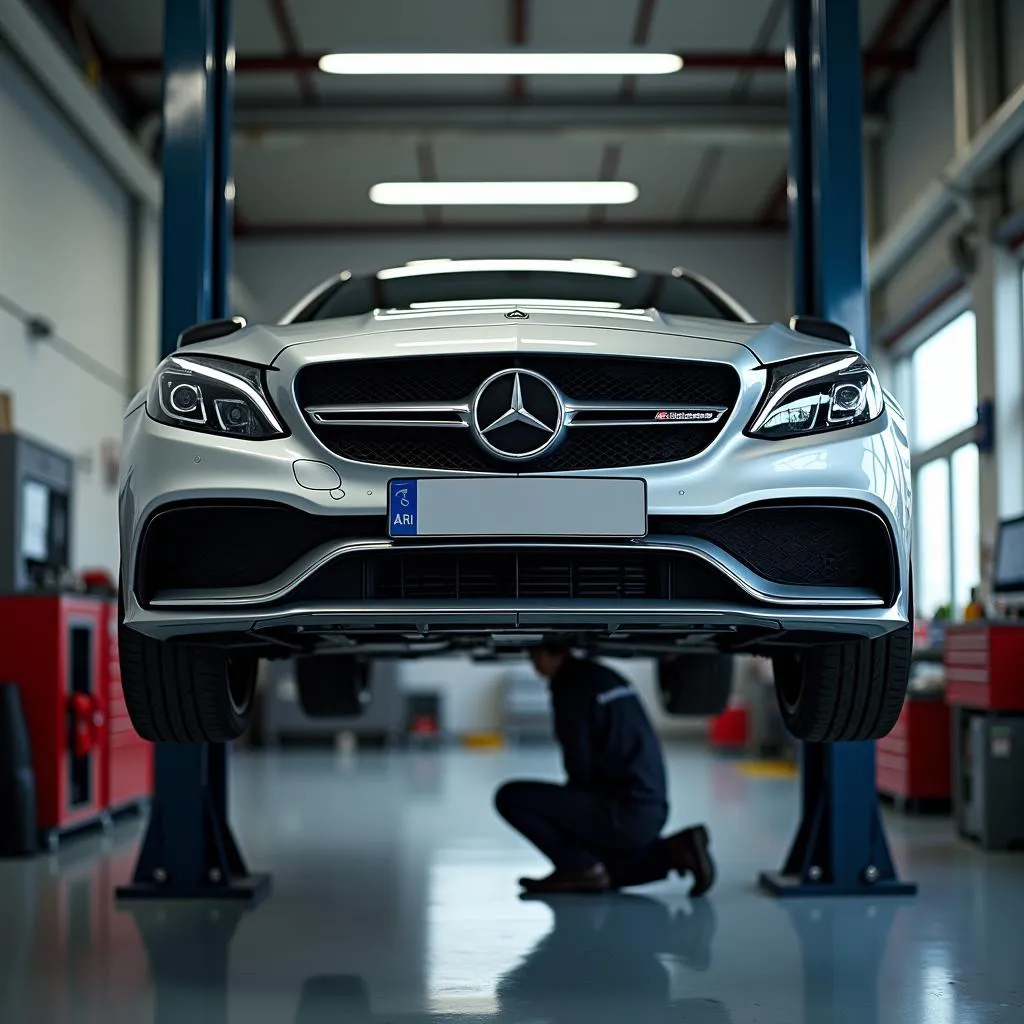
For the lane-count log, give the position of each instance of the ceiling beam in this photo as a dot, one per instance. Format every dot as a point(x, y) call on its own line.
point(320, 229)
point(711, 161)
point(289, 37)
point(517, 30)
point(641, 34)
point(750, 124)
point(699, 60)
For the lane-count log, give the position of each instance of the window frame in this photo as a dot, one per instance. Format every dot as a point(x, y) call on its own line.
point(901, 355)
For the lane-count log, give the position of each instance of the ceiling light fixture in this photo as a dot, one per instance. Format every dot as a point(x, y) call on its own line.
point(504, 193)
point(508, 63)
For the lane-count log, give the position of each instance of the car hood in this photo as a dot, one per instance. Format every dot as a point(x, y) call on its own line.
point(570, 328)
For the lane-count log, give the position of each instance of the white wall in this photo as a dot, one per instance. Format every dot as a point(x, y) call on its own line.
point(918, 145)
point(66, 230)
point(754, 268)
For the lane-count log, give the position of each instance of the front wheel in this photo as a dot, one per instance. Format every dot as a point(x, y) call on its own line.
point(184, 693)
point(848, 691)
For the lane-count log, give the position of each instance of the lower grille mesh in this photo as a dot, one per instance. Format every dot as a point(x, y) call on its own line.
point(407, 574)
point(799, 545)
point(224, 545)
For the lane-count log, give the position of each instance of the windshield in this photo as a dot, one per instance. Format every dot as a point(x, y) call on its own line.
point(437, 286)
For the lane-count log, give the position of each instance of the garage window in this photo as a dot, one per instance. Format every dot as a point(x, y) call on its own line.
point(938, 385)
point(944, 378)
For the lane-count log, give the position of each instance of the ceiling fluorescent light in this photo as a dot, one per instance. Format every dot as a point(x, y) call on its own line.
point(509, 63)
point(503, 193)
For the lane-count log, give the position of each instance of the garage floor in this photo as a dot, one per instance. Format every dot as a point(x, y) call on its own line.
point(394, 899)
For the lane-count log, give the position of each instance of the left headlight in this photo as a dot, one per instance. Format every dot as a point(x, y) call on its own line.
point(807, 396)
point(215, 396)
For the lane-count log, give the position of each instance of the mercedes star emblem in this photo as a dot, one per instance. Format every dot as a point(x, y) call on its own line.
point(517, 414)
point(517, 314)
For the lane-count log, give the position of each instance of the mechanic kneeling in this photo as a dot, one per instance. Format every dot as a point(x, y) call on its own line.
point(601, 829)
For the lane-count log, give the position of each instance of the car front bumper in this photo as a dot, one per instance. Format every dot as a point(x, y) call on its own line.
point(868, 465)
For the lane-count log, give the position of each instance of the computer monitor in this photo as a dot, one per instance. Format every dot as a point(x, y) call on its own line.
point(1008, 577)
point(36, 484)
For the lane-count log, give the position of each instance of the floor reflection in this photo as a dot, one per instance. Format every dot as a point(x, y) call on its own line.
point(616, 960)
point(609, 959)
point(395, 908)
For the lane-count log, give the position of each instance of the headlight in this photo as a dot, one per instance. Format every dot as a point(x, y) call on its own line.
point(807, 396)
point(216, 396)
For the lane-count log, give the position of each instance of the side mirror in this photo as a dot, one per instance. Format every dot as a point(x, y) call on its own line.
point(824, 329)
point(210, 329)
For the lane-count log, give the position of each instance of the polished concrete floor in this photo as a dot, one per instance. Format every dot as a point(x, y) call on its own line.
point(394, 900)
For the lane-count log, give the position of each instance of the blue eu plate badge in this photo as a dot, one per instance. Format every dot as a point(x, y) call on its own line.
point(402, 508)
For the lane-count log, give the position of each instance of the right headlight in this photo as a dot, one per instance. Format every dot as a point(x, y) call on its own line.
point(214, 396)
point(807, 396)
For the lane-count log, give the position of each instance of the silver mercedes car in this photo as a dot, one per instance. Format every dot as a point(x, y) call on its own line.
point(468, 456)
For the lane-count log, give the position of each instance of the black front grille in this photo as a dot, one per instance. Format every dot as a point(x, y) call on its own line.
point(465, 574)
point(799, 545)
point(455, 379)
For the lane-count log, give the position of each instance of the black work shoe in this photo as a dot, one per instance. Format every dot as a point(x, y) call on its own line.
point(593, 879)
point(688, 855)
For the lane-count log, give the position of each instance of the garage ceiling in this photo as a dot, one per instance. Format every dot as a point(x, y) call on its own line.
point(706, 146)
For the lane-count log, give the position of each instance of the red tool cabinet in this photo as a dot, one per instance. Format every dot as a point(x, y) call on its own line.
point(983, 666)
point(129, 777)
point(913, 762)
point(61, 652)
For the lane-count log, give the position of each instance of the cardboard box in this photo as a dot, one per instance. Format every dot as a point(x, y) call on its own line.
point(6, 412)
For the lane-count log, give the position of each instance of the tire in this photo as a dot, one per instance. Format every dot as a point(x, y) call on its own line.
point(332, 685)
point(180, 693)
point(844, 692)
point(697, 685)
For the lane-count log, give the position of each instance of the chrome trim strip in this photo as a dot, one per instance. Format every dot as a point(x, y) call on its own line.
point(713, 414)
point(411, 414)
point(479, 617)
point(750, 583)
point(397, 414)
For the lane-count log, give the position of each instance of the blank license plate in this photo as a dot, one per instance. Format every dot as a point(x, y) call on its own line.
point(517, 507)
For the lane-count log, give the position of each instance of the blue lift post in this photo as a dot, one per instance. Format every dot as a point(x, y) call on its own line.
point(840, 847)
point(189, 851)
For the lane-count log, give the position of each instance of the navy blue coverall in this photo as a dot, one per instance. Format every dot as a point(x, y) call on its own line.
point(614, 805)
